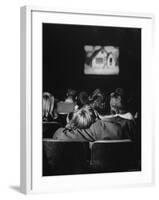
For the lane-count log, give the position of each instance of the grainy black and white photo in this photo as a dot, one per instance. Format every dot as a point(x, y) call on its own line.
point(91, 99)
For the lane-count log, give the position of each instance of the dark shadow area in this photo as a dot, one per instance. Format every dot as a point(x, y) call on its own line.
point(66, 158)
point(64, 58)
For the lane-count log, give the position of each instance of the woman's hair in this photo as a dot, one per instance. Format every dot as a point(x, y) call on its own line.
point(98, 102)
point(118, 101)
point(48, 106)
point(83, 118)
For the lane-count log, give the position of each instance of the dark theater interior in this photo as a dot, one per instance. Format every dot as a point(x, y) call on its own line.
point(64, 61)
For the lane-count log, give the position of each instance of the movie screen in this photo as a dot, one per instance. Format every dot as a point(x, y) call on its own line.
point(102, 60)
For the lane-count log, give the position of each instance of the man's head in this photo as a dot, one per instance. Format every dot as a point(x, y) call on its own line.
point(117, 101)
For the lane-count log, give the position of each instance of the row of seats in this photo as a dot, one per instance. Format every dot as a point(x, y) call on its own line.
point(61, 157)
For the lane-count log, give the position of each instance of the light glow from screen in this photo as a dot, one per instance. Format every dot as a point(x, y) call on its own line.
point(101, 60)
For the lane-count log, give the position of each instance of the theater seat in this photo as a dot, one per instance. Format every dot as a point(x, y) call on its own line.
point(114, 156)
point(49, 128)
point(60, 158)
point(65, 108)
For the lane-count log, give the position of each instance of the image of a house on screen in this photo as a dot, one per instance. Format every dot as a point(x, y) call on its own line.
point(102, 60)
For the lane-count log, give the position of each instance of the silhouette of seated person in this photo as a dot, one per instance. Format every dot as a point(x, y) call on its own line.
point(82, 99)
point(47, 106)
point(70, 96)
point(120, 124)
point(120, 113)
point(77, 128)
point(97, 101)
point(50, 125)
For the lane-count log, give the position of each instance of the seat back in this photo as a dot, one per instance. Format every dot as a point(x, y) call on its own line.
point(49, 128)
point(60, 157)
point(114, 156)
point(65, 108)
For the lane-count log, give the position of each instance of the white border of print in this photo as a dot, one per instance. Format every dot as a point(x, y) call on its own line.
point(31, 90)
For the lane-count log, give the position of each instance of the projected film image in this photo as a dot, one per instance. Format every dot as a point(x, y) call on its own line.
point(102, 60)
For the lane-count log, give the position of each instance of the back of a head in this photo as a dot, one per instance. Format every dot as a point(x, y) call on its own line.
point(71, 93)
point(82, 99)
point(118, 101)
point(83, 118)
point(48, 106)
point(98, 102)
point(96, 93)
